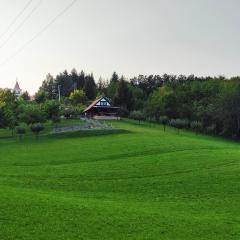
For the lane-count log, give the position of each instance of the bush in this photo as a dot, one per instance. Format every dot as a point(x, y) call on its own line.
point(40, 97)
point(72, 111)
point(122, 112)
point(52, 110)
point(32, 114)
point(77, 97)
point(211, 130)
point(21, 130)
point(37, 128)
point(164, 121)
point(137, 115)
point(196, 126)
point(179, 123)
point(78, 110)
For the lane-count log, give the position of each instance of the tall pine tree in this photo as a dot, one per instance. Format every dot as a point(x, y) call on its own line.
point(123, 96)
point(90, 87)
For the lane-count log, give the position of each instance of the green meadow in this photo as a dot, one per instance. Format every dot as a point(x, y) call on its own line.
point(133, 182)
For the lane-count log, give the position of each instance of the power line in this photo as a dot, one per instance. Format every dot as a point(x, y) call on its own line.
point(15, 19)
point(39, 33)
point(20, 25)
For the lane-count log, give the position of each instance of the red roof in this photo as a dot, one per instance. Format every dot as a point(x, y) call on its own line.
point(92, 104)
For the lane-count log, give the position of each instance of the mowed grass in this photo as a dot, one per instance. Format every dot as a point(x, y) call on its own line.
point(140, 183)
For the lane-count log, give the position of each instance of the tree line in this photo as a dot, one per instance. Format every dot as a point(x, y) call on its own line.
point(204, 104)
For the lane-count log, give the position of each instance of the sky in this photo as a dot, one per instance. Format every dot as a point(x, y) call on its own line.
point(130, 37)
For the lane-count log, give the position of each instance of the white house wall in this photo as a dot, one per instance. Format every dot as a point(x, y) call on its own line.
point(103, 102)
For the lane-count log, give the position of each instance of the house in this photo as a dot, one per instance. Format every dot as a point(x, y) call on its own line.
point(17, 90)
point(101, 108)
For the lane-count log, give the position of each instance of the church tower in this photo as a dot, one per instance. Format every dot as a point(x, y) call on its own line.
point(17, 90)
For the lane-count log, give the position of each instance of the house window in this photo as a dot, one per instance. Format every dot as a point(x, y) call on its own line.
point(103, 103)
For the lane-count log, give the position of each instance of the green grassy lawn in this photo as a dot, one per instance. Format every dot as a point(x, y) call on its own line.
point(140, 183)
point(48, 127)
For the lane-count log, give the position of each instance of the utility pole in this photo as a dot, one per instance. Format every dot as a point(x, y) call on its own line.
point(59, 93)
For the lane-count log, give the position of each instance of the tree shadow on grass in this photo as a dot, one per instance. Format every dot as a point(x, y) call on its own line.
point(6, 137)
point(29, 139)
point(87, 133)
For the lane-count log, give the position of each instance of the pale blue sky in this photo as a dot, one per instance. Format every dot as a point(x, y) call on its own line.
point(131, 37)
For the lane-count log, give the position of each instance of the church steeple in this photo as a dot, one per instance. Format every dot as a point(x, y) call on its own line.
point(17, 90)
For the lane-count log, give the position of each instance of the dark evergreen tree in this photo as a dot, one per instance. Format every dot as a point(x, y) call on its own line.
point(49, 87)
point(112, 87)
point(101, 86)
point(81, 80)
point(90, 87)
point(40, 97)
point(25, 96)
point(114, 78)
point(74, 78)
point(123, 96)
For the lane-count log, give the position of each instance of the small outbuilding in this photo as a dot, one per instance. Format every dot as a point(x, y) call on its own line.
point(102, 108)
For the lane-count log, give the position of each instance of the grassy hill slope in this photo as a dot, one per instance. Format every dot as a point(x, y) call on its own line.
point(139, 184)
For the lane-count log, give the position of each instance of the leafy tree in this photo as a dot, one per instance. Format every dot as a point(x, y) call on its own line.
point(11, 119)
point(139, 97)
point(211, 130)
point(228, 109)
point(77, 97)
point(71, 111)
point(7, 117)
point(49, 86)
point(157, 104)
point(164, 120)
point(6, 96)
point(196, 126)
point(25, 96)
point(52, 110)
point(138, 115)
point(32, 114)
point(40, 97)
point(122, 112)
point(20, 131)
point(65, 82)
point(179, 123)
point(123, 96)
point(36, 128)
point(78, 110)
point(148, 83)
point(3, 115)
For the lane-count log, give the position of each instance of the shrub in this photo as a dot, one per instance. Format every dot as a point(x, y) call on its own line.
point(137, 115)
point(37, 128)
point(52, 110)
point(164, 121)
point(211, 130)
point(78, 110)
point(122, 112)
point(72, 111)
point(32, 114)
point(179, 123)
point(20, 130)
point(78, 97)
point(196, 126)
point(40, 97)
